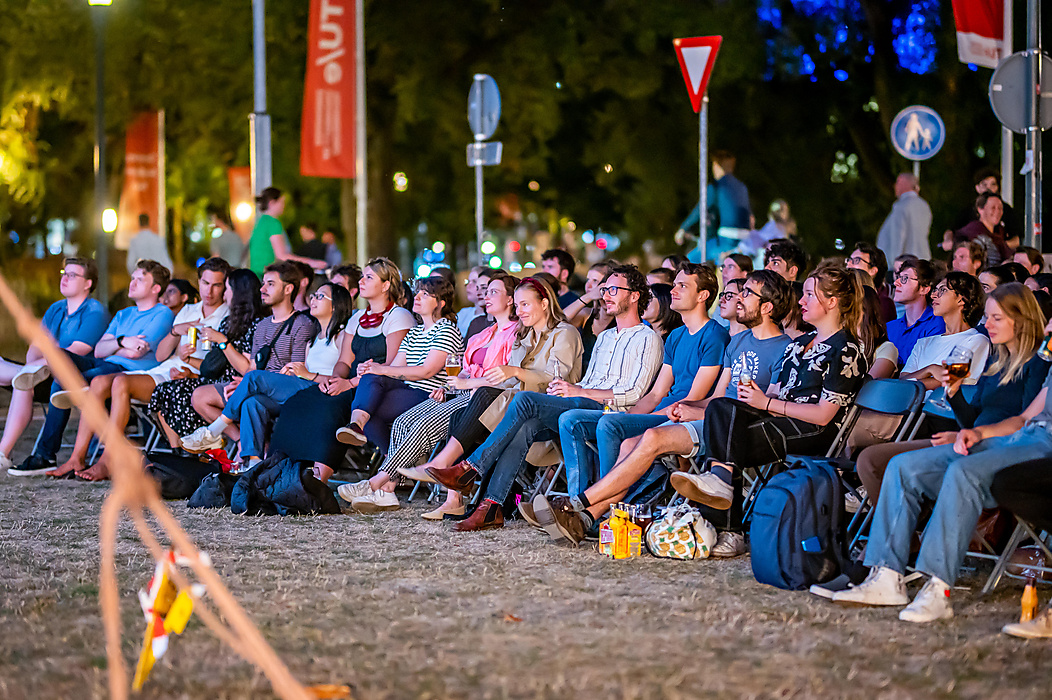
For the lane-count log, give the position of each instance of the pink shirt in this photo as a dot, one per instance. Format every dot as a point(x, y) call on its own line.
point(500, 341)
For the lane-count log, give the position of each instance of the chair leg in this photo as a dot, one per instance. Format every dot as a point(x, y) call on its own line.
point(1002, 562)
point(412, 493)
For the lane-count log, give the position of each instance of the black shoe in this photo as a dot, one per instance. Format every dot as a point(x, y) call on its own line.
point(32, 466)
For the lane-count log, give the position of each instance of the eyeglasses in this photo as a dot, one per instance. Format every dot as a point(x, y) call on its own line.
point(71, 275)
point(746, 293)
point(318, 296)
point(856, 260)
point(939, 291)
point(904, 278)
point(612, 290)
point(727, 296)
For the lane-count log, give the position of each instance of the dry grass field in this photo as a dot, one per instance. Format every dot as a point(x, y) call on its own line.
point(396, 607)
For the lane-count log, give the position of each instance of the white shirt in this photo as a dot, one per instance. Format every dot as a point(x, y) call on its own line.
point(625, 362)
point(933, 349)
point(907, 228)
point(190, 313)
point(323, 354)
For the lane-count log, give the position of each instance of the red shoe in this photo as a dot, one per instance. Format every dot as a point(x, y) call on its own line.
point(460, 477)
point(488, 516)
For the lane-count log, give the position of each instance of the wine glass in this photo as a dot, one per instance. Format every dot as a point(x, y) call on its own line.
point(453, 364)
point(958, 364)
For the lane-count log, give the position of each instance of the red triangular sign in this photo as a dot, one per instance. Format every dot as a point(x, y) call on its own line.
point(696, 56)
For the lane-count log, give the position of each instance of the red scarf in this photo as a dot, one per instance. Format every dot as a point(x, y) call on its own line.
point(371, 320)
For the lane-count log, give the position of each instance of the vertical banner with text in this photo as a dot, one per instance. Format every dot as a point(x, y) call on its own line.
point(327, 138)
point(143, 188)
point(980, 31)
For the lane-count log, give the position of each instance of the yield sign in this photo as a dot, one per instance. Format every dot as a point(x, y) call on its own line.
point(696, 56)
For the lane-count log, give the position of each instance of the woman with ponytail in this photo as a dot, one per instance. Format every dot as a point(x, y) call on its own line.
point(801, 412)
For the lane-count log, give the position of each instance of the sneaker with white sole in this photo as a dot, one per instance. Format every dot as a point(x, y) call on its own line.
point(32, 466)
point(5, 462)
point(376, 502)
point(416, 474)
point(931, 604)
point(1038, 628)
point(63, 400)
point(728, 545)
point(201, 440)
point(351, 435)
point(828, 589)
point(30, 376)
point(349, 492)
point(704, 488)
point(883, 586)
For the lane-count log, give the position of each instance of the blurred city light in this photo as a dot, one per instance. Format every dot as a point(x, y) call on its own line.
point(243, 211)
point(109, 218)
point(514, 246)
point(495, 262)
point(601, 244)
point(534, 185)
point(515, 267)
point(588, 236)
point(401, 182)
point(488, 247)
point(438, 247)
point(423, 270)
point(529, 266)
point(608, 168)
point(571, 225)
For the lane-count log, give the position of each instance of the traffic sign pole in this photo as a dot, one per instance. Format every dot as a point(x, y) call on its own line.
point(703, 176)
point(1032, 219)
point(483, 116)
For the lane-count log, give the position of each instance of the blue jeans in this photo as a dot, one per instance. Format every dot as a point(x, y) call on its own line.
point(50, 439)
point(607, 431)
point(384, 399)
point(531, 417)
point(960, 485)
point(256, 403)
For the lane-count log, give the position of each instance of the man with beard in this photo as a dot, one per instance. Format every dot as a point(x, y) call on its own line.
point(692, 363)
point(624, 362)
point(752, 356)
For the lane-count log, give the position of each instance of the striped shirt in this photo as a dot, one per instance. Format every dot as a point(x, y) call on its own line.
point(626, 362)
point(290, 347)
point(418, 344)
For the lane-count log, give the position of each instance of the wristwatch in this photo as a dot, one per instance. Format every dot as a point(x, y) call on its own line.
point(222, 346)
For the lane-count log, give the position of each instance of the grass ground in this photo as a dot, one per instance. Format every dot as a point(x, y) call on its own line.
point(396, 607)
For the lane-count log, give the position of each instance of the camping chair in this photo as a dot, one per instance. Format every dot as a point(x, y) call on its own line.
point(1022, 530)
point(932, 409)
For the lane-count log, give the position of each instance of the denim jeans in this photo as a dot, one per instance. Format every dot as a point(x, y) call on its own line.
point(384, 399)
point(960, 485)
point(50, 439)
point(256, 403)
point(607, 431)
point(531, 417)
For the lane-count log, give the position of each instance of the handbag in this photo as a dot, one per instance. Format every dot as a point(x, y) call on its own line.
point(214, 364)
point(262, 356)
point(681, 533)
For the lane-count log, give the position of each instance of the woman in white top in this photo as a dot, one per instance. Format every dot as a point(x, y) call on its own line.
point(959, 300)
point(257, 400)
point(883, 356)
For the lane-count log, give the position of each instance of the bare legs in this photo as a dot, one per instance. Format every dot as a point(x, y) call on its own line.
point(77, 462)
point(19, 413)
point(124, 389)
point(208, 402)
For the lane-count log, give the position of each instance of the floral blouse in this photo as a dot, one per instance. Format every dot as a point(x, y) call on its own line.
point(833, 369)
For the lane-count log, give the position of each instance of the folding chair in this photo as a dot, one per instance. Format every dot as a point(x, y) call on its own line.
point(1022, 530)
point(931, 407)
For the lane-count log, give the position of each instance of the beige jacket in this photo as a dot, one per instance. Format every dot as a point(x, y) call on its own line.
point(534, 354)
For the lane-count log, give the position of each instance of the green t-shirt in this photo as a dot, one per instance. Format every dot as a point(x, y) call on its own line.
point(260, 249)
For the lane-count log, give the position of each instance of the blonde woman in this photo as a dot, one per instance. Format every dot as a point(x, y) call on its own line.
point(546, 345)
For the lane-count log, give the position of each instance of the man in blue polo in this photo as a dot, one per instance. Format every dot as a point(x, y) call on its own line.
point(130, 342)
point(913, 286)
point(76, 323)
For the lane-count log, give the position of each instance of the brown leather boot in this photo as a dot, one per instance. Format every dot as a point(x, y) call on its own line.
point(460, 477)
point(488, 516)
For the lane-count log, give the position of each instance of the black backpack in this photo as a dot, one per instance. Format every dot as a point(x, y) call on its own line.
point(797, 535)
point(178, 476)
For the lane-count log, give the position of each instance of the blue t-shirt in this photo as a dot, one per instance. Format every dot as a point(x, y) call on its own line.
point(905, 337)
point(85, 325)
point(154, 324)
point(760, 359)
point(686, 354)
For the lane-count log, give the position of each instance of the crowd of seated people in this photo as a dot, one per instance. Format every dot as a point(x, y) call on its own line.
point(731, 368)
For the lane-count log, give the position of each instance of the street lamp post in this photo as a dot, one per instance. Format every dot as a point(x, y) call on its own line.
point(102, 245)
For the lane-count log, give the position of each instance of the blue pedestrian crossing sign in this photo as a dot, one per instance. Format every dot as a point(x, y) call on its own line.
point(917, 132)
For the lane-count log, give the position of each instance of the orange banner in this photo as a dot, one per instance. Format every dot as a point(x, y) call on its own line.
point(143, 188)
point(327, 132)
point(242, 202)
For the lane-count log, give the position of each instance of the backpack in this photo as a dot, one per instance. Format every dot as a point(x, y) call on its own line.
point(796, 537)
point(214, 491)
point(282, 486)
point(179, 476)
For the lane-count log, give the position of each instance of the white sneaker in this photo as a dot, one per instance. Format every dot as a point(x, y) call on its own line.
point(1038, 628)
point(63, 399)
point(202, 440)
point(376, 502)
point(704, 488)
point(416, 474)
point(883, 586)
point(30, 376)
point(729, 545)
point(349, 492)
point(5, 462)
point(932, 603)
point(852, 503)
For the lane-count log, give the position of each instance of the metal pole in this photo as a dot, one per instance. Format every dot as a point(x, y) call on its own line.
point(703, 177)
point(1033, 134)
point(102, 244)
point(916, 170)
point(478, 209)
point(1007, 156)
point(361, 176)
point(259, 120)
